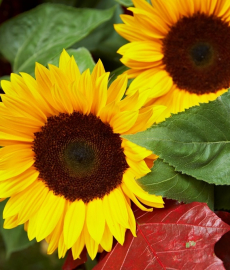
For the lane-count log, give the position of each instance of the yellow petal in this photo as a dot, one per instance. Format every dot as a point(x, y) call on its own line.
point(130, 33)
point(11, 139)
point(132, 221)
point(60, 91)
point(85, 87)
point(145, 51)
point(48, 215)
point(98, 71)
point(21, 107)
point(72, 70)
point(8, 88)
point(138, 191)
point(32, 200)
point(107, 239)
point(139, 168)
point(132, 102)
point(152, 204)
point(123, 121)
point(15, 159)
point(91, 245)
point(141, 124)
point(31, 229)
point(95, 219)
point(117, 89)
point(11, 222)
point(133, 198)
point(79, 101)
point(20, 87)
point(118, 207)
point(113, 225)
point(100, 94)
point(134, 151)
point(63, 60)
point(62, 249)
point(109, 111)
point(143, 5)
point(35, 91)
point(78, 246)
point(74, 221)
point(54, 237)
point(18, 183)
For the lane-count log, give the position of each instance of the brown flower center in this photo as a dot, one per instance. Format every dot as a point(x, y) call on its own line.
point(79, 157)
point(197, 54)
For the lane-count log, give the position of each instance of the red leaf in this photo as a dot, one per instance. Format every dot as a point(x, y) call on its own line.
point(222, 247)
point(177, 237)
point(71, 264)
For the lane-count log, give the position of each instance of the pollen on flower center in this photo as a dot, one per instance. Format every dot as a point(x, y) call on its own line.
point(202, 54)
point(197, 55)
point(79, 157)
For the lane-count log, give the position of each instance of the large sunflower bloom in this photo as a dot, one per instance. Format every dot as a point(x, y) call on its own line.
point(179, 49)
point(69, 175)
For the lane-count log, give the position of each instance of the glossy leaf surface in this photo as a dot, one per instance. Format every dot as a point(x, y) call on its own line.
point(195, 142)
point(165, 181)
point(41, 34)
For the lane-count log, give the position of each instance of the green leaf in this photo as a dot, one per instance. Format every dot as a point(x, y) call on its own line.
point(104, 41)
point(90, 264)
point(95, 3)
point(15, 239)
point(222, 198)
point(82, 57)
point(41, 34)
point(63, 2)
point(195, 142)
point(165, 181)
point(126, 3)
point(75, 3)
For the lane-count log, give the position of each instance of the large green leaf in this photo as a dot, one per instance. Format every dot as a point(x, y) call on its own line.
point(222, 198)
point(41, 34)
point(195, 142)
point(82, 57)
point(104, 41)
point(126, 3)
point(165, 181)
point(72, 3)
point(76, 3)
point(15, 239)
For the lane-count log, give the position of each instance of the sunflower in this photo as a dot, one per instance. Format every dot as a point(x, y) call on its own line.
point(179, 49)
point(69, 174)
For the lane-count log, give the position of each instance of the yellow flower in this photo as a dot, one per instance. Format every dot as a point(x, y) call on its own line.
point(179, 49)
point(69, 175)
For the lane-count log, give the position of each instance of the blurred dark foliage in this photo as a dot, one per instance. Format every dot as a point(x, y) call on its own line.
point(9, 9)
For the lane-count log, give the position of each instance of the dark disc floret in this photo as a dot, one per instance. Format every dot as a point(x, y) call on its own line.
point(197, 53)
point(79, 157)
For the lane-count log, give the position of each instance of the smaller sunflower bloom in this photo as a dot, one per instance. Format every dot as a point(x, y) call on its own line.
point(179, 49)
point(68, 172)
